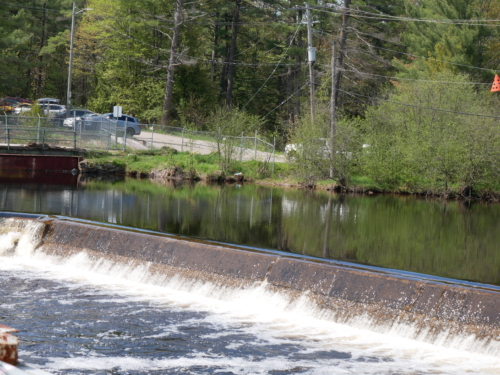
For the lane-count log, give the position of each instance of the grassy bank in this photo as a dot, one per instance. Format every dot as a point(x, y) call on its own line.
point(170, 164)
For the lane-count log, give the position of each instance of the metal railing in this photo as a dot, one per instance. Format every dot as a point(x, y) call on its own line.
point(108, 135)
point(46, 132)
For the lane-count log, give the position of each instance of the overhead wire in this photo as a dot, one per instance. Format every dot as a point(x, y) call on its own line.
point(276, 67)
point(416, 80)
point(414, 55)
point(417, 106)
point(283, 102)
point(291, 96)
point(368, 15)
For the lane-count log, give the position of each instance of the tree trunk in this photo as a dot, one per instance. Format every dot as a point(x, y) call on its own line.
point(167, 104)
point(214, 47)
point(232, 52)
point(40, 59)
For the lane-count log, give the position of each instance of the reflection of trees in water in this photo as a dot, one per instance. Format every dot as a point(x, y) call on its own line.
point(433, 237)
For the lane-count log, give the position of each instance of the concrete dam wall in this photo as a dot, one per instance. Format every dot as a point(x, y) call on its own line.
point(443, 313)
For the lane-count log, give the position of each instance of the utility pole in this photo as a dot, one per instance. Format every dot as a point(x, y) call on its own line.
point(337, 67)
point(70, 69)
point(311, 57)
point(333, 112)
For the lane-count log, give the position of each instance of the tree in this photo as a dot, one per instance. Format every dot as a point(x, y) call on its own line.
point(454, 37)
point(33, 40)
point(427, 134)
point(312, 156)
point(229, 124)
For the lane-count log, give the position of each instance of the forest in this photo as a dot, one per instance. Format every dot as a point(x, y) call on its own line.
point(409, 79)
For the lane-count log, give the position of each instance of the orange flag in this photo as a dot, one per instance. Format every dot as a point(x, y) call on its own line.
point(496, 84)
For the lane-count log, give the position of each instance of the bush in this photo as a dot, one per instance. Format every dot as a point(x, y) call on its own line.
point(317, 156)
point(418, 147)
point(229, 124)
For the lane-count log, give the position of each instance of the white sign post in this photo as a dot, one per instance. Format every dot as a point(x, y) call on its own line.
point(117, 111)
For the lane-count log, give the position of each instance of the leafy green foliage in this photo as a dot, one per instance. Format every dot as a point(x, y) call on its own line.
point(33, 41)
point(228, 125)
point(459, 42)
point(313, 156)
point(432, 142)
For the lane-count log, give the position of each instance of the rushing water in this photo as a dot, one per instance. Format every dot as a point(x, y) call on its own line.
point(82, 317)
point(449, 239)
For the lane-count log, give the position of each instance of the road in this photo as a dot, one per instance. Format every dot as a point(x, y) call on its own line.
point(158, 140)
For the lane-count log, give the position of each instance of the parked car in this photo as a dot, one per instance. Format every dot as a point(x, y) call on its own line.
point(5, 107)
point(74, 113)
point(9, 101)
point(21, 108)
point(76, 116)
point(19, 100)
point(46, 101)
point(108, 122)
point(53, 110)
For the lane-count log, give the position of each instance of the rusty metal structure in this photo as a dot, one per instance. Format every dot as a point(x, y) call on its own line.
point(39, 162)
point(8, 345)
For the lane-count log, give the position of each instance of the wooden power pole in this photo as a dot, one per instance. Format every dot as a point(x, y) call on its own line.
point(337, 66)
point(311, 57)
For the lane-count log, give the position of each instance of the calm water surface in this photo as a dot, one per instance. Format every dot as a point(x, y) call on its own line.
point(448, 239)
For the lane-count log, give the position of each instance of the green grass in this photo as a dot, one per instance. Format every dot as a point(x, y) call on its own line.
point(203, 166)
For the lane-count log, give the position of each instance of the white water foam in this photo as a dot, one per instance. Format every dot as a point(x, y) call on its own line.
point(23, 239)
point(271, 317)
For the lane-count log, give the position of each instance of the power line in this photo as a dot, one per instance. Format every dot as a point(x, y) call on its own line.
point(257, 42)
point(284, 101)
point(433, 59)
point(416, 80)
point(359, 13)
point(421, 107)
point(276, 67)
point(413, 55)
point(287, 99)
point(368, 15)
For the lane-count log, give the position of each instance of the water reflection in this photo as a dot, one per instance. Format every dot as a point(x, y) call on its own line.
point(449, 239)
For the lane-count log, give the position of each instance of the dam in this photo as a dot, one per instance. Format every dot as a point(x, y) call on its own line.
point(130, 277)
point(100, 298)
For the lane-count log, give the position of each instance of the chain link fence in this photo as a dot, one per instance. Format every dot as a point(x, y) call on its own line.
point(47, 132)
point(108, 134)
point(242, 147)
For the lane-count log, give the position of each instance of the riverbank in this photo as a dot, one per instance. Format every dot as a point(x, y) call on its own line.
point(168, 164)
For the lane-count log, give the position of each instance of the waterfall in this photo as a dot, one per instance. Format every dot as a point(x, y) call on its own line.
point(446, 314)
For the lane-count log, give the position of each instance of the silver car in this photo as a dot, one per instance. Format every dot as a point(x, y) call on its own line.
point(108, 122)
point(53, 109)
point(76, 116)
